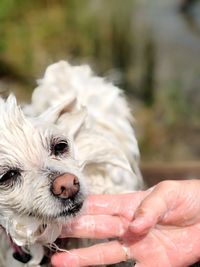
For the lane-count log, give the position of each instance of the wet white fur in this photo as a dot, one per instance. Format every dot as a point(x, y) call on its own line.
point(72, 103)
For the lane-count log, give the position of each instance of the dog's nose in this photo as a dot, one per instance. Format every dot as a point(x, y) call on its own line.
point(65, 186)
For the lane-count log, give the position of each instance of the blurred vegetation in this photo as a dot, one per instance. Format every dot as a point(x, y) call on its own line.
point(109, 36)
point(34, 34)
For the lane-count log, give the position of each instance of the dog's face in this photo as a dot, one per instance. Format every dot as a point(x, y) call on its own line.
point(39, 175)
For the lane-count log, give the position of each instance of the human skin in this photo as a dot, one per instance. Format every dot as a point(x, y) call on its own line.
point(159, 227)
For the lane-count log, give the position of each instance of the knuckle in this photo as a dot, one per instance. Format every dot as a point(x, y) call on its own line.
point(167, 185)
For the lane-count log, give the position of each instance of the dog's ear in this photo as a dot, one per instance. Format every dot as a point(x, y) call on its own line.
point(52, 114)
point(71, 122)
point(67, 116)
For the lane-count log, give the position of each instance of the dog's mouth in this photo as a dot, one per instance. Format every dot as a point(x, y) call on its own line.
point(71, 207)
point(71, 211)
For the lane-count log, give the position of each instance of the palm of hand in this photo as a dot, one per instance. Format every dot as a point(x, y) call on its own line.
point(165, 246)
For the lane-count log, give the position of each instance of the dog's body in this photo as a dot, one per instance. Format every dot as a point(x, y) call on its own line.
point(77, 128)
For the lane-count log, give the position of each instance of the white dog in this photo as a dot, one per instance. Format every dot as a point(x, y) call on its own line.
point(74, 138)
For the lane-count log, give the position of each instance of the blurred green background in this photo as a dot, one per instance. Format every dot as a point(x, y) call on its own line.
point(150, 48)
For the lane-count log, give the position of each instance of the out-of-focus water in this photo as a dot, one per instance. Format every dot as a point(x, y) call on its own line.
point(175, 118)
point(178, 41)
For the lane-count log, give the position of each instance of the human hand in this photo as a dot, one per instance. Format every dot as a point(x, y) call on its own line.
point(157, 227)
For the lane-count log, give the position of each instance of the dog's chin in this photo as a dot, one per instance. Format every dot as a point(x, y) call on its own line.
point(70, 212)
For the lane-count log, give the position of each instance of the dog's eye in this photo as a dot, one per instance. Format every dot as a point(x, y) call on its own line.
point(11, 174)
point(60, 148)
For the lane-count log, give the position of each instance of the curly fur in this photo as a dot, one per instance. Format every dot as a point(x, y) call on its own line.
point(93, 116)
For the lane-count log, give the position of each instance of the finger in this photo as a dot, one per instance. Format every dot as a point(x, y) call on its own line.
point(96, 226)
point(121, 205)
point(140, 265)
point(154, 207)
point(105, 253)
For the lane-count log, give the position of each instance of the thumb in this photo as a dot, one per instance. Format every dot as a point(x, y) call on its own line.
point(154, 207)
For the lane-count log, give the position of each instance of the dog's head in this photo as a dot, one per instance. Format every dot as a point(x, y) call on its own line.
point(39, 175)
